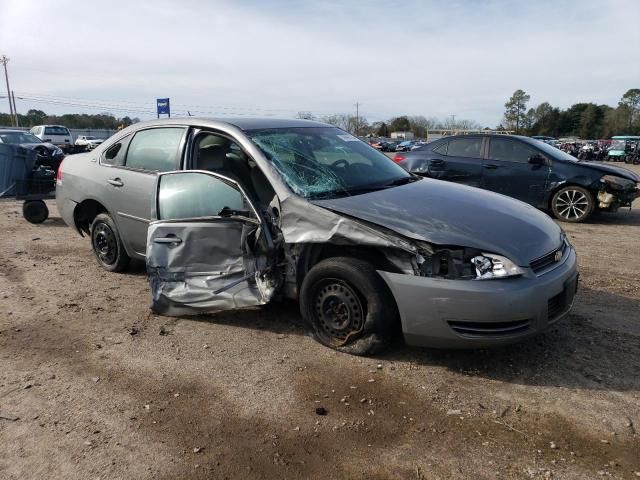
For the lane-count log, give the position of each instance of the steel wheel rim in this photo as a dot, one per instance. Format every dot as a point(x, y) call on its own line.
point(104, 243)
point(338, 311)
point(572, 204)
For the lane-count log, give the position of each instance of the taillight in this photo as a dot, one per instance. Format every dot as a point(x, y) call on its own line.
point(398, 158)
point(59, 174)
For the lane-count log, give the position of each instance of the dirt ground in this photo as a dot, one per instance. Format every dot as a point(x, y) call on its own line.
point(94, 386)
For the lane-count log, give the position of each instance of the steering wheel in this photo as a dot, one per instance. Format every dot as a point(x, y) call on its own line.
point(340, 163)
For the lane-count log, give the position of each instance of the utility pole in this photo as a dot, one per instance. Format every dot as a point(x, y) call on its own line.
point(4, 60)
point(453, 122)
point(15, 110)
point(357, 118)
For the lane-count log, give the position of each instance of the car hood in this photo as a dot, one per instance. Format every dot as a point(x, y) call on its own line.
point(445, 213)
point(612, 169)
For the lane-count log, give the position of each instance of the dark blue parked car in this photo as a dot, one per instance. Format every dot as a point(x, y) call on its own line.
point(528, 170)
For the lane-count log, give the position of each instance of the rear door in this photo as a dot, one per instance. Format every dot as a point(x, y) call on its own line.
point(208, 249)
point(516, 169)
point(458, 160)
point(130, 186)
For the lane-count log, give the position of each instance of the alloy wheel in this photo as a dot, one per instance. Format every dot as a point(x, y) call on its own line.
point(572, 204)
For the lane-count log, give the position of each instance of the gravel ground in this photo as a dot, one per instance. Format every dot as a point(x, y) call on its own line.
point(93, 385)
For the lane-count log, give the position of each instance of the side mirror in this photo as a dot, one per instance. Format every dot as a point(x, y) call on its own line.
point(537, 159)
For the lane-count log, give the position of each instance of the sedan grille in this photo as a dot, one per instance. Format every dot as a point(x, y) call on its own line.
point(490, 329)
point(548, 260)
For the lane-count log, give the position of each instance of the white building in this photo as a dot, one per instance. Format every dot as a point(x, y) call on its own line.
point(402, 135)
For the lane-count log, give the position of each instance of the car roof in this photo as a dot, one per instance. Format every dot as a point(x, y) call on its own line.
point(241, 123)
point(488, 135)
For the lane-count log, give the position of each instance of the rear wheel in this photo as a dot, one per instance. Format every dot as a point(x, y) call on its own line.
point(107, 245)
point(572, 204)
point(35, 211)
point(348, 306)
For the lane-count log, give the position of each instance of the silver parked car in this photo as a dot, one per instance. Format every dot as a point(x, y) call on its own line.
point(237, 213)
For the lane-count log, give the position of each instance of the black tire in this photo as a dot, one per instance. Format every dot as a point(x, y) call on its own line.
point(107, 245)
point(348, 306)
point(572, 204)
point(35, 211)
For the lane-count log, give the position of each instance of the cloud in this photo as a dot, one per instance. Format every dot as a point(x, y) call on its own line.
point(280, 56)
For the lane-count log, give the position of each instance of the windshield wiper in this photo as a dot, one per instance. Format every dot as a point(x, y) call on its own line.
point(402, 181)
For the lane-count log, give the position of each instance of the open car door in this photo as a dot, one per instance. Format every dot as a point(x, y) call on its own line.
point(208, 249)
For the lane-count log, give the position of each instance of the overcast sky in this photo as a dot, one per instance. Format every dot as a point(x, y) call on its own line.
point(277, 57)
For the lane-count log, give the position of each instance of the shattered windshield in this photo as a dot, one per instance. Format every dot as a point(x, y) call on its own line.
point(326, 162)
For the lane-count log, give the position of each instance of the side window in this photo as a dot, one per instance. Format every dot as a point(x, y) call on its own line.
point(510, 150)
point(196, 195)
point(465, 147)
point(115, 153)
point(442, 148)
point(155, 150)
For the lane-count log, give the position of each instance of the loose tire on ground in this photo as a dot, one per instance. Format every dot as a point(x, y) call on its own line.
point(35, 211)
point(107, 245)
point(348, 306)
point(572, 204)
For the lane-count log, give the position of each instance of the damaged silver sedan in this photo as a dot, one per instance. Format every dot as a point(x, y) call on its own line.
point(246, 212)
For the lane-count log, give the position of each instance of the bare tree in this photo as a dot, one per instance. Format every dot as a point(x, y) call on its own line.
point(303, 115)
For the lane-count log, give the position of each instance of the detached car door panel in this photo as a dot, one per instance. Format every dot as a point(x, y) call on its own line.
point(207, 249)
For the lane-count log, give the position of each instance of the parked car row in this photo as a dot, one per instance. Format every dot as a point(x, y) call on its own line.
point(397, 145)
point(61, 137)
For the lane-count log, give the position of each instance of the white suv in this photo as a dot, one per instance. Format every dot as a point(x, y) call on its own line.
point(57, 134)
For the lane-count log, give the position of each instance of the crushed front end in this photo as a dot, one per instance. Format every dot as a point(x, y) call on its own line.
point(615, 192)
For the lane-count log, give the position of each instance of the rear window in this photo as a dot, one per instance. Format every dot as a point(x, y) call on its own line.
point(56, 131)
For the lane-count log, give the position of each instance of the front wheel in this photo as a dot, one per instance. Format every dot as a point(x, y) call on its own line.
point(348, 306)
point(107, 245)
point(572, 204)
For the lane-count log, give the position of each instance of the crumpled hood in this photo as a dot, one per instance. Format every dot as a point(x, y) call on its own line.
point(615, 170)
point(445, 213)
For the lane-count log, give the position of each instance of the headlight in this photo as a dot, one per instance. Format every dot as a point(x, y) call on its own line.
point(57, 151)
point(617, 183)
point(490, 266)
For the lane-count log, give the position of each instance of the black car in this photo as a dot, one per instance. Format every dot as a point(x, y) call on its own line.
point(528, 170)
point(389, 146)
point(48, 154)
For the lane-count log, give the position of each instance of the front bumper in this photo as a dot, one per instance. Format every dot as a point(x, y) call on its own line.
point(444, 313)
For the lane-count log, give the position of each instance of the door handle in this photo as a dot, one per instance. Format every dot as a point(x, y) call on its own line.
point(116, 182)
point(437, 162)
point(490, 166)
point(170, 240)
